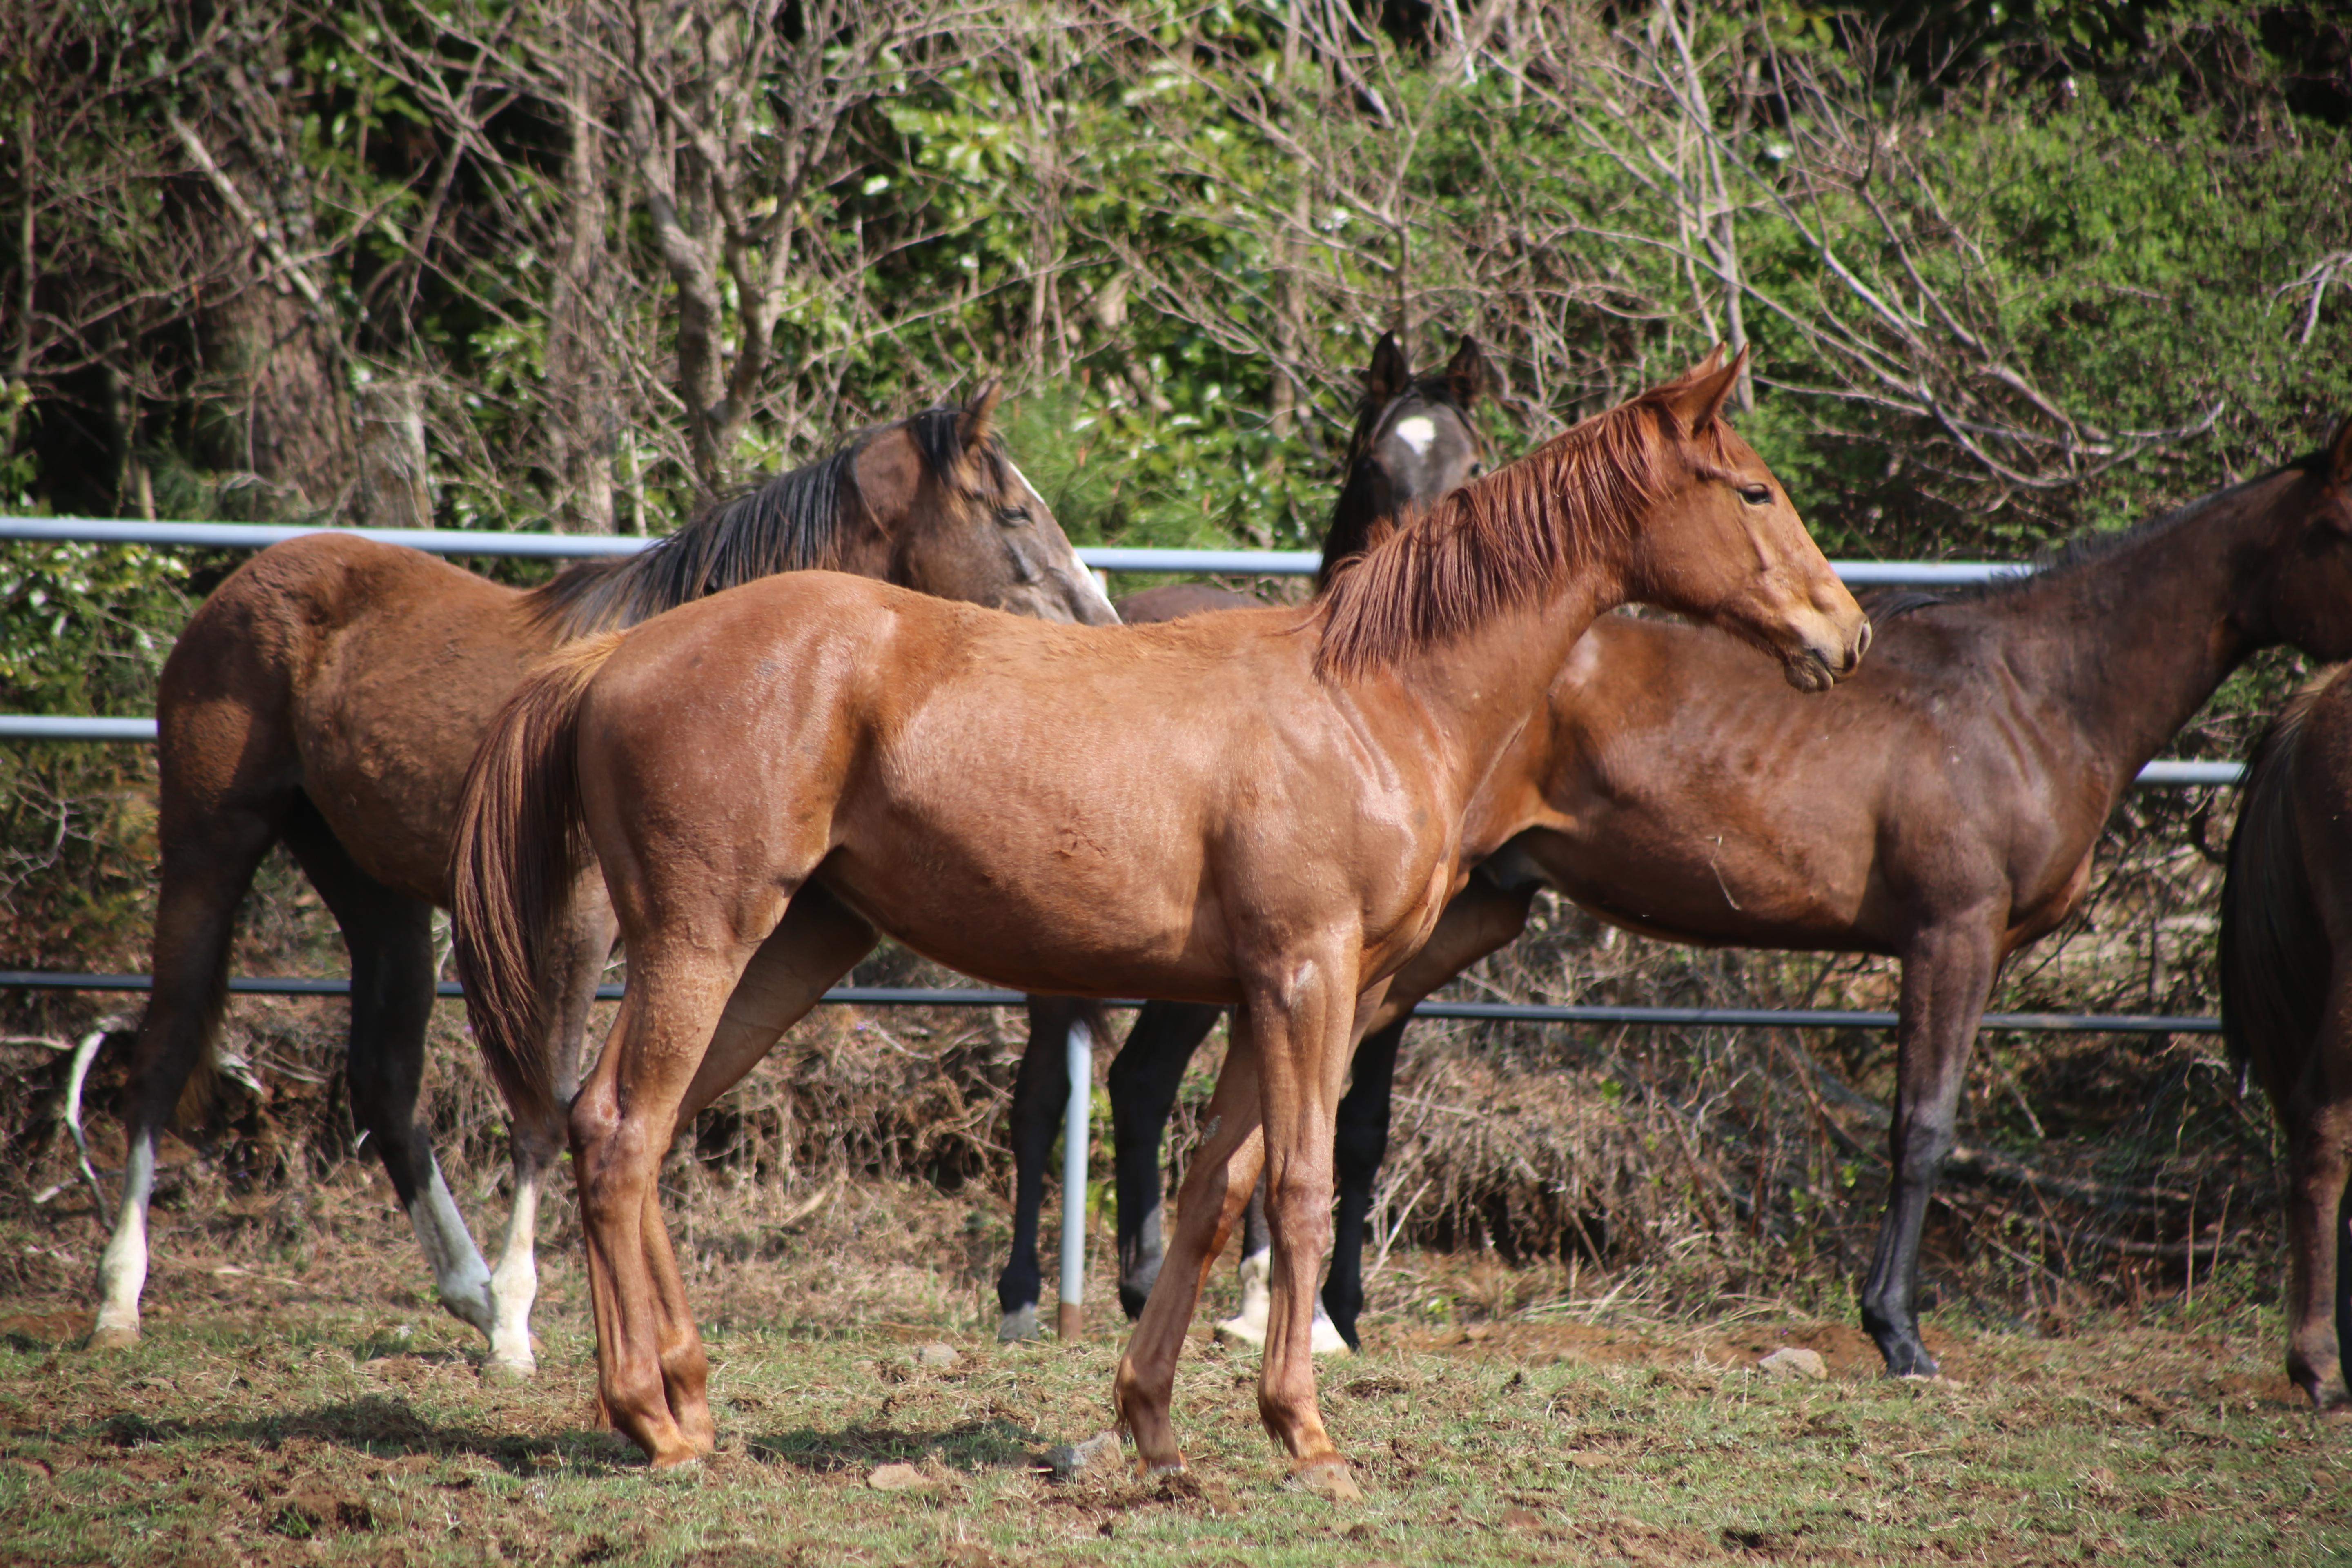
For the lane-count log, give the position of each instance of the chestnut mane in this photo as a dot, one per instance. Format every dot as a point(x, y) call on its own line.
point(1501, 541)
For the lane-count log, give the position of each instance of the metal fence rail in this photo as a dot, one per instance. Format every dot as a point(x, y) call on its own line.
point(575, 546)
point(1502, 1012)
point(2163, 773)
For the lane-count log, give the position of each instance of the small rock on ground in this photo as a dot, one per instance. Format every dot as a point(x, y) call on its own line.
point(1075, 1458)
point(899, 1479)
point(937, 1356)
point(1794, 1361)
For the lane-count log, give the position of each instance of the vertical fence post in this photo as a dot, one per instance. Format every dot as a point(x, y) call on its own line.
point(1069, 1318)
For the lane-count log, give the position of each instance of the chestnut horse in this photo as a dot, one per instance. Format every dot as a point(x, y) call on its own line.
point(1261, 807)
point(1412, 442)
point(2286, 1003)
point(1941, 808)
point(329, 694)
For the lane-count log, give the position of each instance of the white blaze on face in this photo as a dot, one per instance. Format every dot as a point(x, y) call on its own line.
point(1094, 580)
point(1417, 433)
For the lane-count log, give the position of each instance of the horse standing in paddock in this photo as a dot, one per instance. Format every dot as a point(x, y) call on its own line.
point(1941, 808)
point(1412, 442)
point(329, 694)
point(1261, 807)
point(2286, 1003)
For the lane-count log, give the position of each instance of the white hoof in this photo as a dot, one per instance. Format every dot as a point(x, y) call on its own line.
point(109, 1336)
point(1247, 1327)
point(509, 1369)
point(1019, 1326)
point(1325, 1339)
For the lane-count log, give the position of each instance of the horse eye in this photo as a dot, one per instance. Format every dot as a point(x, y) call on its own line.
point(1756, 495)
point(1013, 516)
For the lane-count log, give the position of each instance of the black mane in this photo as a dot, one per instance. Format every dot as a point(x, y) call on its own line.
point(794, 522)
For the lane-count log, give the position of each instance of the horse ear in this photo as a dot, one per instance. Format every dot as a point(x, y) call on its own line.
point(1698, 398)
point(1468, 371)
point(973, 426)
point(1390, 370)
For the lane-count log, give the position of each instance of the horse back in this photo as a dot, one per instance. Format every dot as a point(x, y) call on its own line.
point(361, 673)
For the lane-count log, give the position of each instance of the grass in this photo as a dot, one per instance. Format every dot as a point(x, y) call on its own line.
point(311, 1405)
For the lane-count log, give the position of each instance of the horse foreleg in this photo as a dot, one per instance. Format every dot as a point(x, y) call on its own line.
point(1143, 1080)
point(194, 918)
point(391, 939)
point(1947, 976)
point(537, 1134)
point(1303, 1031)
point(2318, 1118)
point(1040, 1090)
point(1216, 1185)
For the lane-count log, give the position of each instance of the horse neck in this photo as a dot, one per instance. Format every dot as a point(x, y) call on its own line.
point(1484, 695)
point(2134, 641)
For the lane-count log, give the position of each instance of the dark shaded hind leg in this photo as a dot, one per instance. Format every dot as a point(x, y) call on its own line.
point(1040, 1092)
point(1359, 1145)
point(2319, 1120)
point(391, 939)
point(209, 859)
point(1142, 1083)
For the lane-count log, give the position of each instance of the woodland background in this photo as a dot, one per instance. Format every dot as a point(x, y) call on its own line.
point(2011, 272)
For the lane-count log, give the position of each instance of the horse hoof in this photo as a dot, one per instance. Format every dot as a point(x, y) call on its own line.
point(1326, 1478)
point(113, 1337)
point(509, 1369)
point(1147, 1468)
point(1326, 1339)
point(1019, 1326)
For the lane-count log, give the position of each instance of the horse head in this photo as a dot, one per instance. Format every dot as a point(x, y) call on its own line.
point(2308, 597)
point(1726, 543)
point(1414, 442)
point(962, 521)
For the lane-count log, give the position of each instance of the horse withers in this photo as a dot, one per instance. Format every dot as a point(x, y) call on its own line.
point(328, 695)
point(1266, 808)
point(2287, 1004)
point(1412, 441)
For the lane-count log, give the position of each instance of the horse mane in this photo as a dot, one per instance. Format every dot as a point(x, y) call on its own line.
point(1499, 541)
point(2055, 561)
point(2274, 955)
point(791, 523)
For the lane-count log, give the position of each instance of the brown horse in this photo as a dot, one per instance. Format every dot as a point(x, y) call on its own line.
point(2286, 1003)
point(328, 696)
point(1940, 808)
point(1262, 807)
point(1412, 442)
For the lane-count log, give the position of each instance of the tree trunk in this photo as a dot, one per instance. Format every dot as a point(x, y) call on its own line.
point(582, 425)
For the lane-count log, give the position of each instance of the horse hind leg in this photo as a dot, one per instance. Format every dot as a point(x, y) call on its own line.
point(391, 940)
point(209, 860)
point(1143, 1081)
point(2319, 1160)
point(537, 1136)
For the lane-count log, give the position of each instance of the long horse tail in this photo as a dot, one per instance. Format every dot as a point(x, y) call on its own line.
point(520, 852)
point(2274, 954)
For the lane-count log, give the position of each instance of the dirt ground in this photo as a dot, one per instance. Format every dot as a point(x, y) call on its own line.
point(299, 1398)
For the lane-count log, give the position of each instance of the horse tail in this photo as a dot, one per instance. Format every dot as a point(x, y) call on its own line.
point(2274, 954)
point(520, 851)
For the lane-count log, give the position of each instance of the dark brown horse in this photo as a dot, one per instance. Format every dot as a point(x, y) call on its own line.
point(328, 696)
point(1940, 808)
point(1262, 807)
point(1412, 442)
point(2286, 1003)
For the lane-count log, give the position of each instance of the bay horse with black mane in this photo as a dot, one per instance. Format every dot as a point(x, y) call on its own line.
point(1266, 808)
point(1941, 808)
point(1412, 442)
point(328, 696)
point(2286, 1003)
